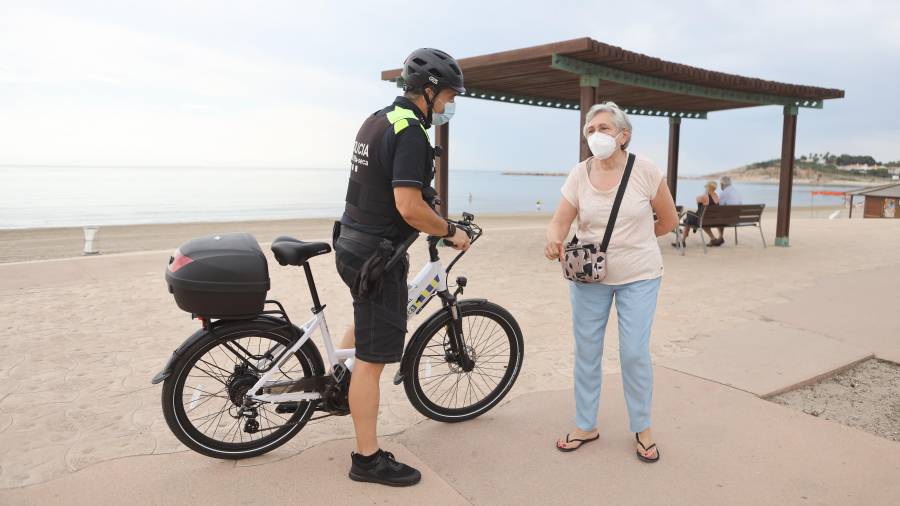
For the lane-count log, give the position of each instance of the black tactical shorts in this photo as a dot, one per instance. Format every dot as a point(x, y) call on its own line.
point(380, 319)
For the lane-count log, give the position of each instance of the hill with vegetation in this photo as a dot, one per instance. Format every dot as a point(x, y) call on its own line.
point(825, 168)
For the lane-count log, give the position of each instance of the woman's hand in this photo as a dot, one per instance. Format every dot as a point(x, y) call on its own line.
point(553, 250)
point(559, 227)
point(663, 206)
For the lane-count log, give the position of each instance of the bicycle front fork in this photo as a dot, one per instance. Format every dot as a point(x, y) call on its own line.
point(457, 352)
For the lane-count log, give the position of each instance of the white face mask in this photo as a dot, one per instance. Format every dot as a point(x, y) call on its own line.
point(602, 145)
point(439, 118)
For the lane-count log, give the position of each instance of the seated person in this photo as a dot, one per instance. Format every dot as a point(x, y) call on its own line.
point(692, 219)
point(728, 196)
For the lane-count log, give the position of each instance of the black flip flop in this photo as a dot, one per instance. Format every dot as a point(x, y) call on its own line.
point(646, 448)
point(581, 442)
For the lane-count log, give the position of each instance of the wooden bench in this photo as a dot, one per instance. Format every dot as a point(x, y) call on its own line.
point(732, 216)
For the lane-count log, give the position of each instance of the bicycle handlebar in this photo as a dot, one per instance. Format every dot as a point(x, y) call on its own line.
point(466, 225)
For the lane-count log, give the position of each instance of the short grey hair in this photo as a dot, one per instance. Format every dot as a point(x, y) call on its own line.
point(620, 119)
point(725, 180)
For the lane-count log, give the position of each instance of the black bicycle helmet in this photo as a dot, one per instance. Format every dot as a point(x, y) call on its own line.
point(426, 66)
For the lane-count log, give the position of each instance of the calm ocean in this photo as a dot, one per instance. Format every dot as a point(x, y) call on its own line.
point(35, 197)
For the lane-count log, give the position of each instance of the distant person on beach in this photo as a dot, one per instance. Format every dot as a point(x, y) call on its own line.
point(389, 197)
point(692, 219)
point(633, 279)
point(728, 196)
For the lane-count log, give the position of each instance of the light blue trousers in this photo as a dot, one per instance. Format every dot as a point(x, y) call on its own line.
point(635, 307)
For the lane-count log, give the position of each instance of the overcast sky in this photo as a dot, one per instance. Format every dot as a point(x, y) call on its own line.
point(279, 83)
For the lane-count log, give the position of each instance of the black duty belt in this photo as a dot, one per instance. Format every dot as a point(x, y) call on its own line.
point(370, 240)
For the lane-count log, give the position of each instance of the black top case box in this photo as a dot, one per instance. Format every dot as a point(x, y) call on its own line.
point(219, 276)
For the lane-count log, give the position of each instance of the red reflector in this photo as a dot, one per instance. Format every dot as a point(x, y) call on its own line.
point(179, 261)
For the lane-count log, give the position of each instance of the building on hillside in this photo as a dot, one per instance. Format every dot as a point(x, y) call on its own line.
point(880, 201)
point(863, 167)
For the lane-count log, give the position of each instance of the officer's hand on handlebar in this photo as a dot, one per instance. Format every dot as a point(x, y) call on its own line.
point(460, 240)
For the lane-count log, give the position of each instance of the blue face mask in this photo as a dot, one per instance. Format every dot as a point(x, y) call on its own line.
point(439, 118)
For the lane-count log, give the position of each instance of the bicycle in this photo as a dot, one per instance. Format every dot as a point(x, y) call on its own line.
point(260, 379)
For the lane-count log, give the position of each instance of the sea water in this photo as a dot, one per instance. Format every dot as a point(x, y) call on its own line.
point(35, 197)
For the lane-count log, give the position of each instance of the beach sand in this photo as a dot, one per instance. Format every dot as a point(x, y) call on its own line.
point(83, 336)
point(866, 396)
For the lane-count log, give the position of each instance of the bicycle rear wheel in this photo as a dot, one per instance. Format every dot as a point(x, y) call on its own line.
point(203, 397)
point(439, 388)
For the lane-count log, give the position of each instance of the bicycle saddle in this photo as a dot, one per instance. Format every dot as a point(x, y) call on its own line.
point(290, 251)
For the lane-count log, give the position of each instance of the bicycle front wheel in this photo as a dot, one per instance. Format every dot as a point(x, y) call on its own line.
point(436, 384)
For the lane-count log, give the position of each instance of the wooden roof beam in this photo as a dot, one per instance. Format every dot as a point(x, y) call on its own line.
point(557, 103)
point(592, 72)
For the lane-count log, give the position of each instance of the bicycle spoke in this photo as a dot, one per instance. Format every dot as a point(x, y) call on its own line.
point(235, 425)
point(478, 332)
point(493, 347)
point(213, 374)
point(480, 391)
point(439, 383)
point(203, 391)
point(264, 412)
point(454, 388)
point(215, 420)
point(208, 417)
point(482, 342)
point(207, 400)
point(213, 358)
point(445, 385)
point(216, 411)
point(485, 374)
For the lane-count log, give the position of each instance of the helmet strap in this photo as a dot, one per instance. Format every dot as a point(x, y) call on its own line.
point(429, 115)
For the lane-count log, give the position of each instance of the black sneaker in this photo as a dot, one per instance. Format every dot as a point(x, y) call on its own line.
point(381, 467)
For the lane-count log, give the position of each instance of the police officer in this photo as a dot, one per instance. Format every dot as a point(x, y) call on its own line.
point(391, 171)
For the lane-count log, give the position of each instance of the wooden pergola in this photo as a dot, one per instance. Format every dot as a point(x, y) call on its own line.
point(578, 73)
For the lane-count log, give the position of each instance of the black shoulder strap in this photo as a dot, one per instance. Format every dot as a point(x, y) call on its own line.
point(588, 169)
point(618, 202)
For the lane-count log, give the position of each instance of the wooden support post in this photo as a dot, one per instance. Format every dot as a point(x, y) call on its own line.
point(441, 168)
point(786, 180)
point(674, 138)
point(587, 99)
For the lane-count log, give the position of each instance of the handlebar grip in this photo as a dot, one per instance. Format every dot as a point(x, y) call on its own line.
point(465, 228)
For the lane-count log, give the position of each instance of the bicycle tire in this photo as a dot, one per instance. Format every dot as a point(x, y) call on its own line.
point(418, 382)
point(181, 426)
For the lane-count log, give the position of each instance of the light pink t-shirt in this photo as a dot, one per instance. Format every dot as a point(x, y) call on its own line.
point(633, 253)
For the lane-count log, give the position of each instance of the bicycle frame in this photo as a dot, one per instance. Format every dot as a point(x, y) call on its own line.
point(430, 281)
point(333, 355)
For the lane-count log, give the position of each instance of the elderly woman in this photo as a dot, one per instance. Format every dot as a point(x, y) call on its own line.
point(692, 219)
point(633, 278)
